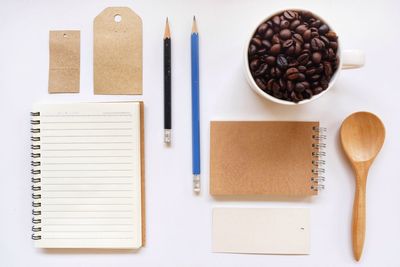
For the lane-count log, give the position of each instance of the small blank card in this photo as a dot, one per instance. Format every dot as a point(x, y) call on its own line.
point(261, 230)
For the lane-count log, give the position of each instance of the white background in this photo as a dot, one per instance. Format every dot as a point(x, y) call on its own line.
point(179, 223)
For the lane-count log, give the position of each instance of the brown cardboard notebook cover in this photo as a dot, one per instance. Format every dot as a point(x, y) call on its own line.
point(262, 158)
point(142, 179)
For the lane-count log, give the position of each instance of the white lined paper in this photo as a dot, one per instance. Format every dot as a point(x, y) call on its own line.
point(90, 175)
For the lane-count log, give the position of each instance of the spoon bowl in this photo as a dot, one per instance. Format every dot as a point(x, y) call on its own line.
point(362, 135)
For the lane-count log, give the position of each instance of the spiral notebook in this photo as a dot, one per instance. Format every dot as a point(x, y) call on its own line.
point(278, 158)
point(88, 175)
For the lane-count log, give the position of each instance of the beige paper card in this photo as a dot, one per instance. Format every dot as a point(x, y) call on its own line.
point(261, 230)
point(64, 68)
point(117, 59)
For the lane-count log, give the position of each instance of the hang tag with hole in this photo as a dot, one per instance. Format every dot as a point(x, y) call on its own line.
point(117, 59)
point(64, 67)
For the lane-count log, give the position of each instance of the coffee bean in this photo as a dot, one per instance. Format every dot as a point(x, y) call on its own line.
point(298, 38)
point(306, 14)
point(317, 44)
point(331, 54)
point(319, 69)
point(301, 28)
point(317, 90)
point(282, 83)
point(316, 57)
point(303, 58)
point(299, 87)
point(270, 60)
point(302, 69)
point(323, 29)
point(285, 34)
point(314, 84)
point(292, 62)
point(275, 87)
point(291, 50)
point(281, 61)
point(310, 72)
point(316, 23)
point(261, 70)
point(288, 43)
point(301, 77)
point(331, 36)
point(324, 83)
point(260, 83)
point(276, 20)
point(290, 15)
point(297, 49)
point(266, 44)
point(268, 33)
point(327, 69)
point(315, 77)
point(307, 35)
point(284, 24)
point(292, 73)
point(290, 86)
point(262, 28)
point(294, 24)
point(314, 32)
point(333, 45)
point(307, 93)
point(254, 64)
point(252, 49)
point(275, 72)
point(275, 49)
point(276, 39)
point(307, 46)
point(325, 40)
point(256, 41)
point(294, 97)
point(262, 51)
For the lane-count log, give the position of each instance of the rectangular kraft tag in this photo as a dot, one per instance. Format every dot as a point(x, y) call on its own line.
point(64, 67)
point(117, 59)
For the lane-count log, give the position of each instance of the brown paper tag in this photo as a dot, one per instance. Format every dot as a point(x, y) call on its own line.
point(64, 68)
point(117, 59)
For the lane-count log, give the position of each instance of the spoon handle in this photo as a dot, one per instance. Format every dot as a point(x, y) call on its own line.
point(358, 229)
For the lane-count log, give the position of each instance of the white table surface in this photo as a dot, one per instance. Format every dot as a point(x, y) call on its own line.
point(179, 223)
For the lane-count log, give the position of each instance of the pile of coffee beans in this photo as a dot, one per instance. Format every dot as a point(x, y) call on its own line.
point(293, 55)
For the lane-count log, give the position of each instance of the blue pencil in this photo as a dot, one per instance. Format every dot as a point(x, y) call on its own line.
point(195, 108)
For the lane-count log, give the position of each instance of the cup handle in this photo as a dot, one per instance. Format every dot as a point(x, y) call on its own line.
point(352, 59)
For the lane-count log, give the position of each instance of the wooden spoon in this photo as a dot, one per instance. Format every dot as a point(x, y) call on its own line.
point(362, 135)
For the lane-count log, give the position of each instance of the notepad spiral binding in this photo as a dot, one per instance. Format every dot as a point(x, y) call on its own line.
point(36, 176)
point(317, 180)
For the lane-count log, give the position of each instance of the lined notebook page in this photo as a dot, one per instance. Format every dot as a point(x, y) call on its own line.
point(90, 175)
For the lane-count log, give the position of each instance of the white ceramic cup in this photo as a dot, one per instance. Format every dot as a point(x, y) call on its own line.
point(349, 59)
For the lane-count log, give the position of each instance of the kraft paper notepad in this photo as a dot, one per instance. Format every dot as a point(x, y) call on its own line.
point(88, 175)
point(265, 158)
point(261, 230)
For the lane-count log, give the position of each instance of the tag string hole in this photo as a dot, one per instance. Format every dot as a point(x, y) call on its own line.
point(65, 35)
point(117, 18)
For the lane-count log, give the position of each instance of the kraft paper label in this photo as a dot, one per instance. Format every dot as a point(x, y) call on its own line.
point(117, 52)
point(64, 68)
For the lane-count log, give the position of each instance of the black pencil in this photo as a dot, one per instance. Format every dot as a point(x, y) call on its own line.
point(167, 84)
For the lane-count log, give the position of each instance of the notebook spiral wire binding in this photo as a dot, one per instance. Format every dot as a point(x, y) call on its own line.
point(317, 180)
point(36, 176)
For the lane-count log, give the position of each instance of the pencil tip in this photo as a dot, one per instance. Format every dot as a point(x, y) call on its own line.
point(167, 33)
point(194, 27)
